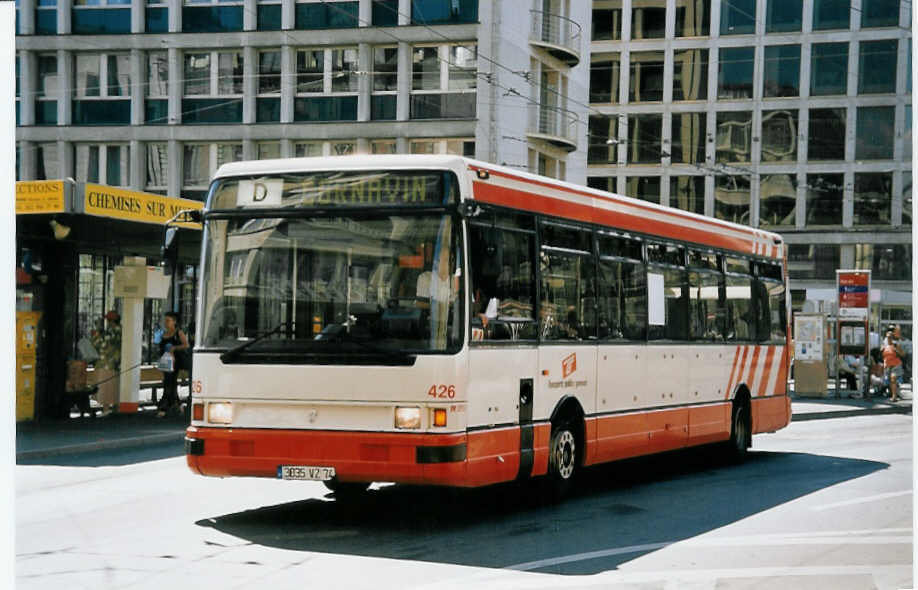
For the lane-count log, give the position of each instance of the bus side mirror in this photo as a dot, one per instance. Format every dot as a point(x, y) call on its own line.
point(169, 250)
point(469, 209)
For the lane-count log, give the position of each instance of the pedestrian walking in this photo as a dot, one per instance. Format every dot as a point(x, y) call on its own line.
point(892, 361)
point(174, 343)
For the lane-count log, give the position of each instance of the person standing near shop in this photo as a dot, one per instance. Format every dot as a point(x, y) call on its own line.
point(173, 342)
point(892, 361)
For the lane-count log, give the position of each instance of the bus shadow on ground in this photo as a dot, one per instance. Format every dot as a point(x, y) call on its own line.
point(648, 501)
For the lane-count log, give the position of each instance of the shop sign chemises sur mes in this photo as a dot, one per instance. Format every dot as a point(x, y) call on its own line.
point(107, 201)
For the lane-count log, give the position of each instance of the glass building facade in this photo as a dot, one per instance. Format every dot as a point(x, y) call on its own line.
point(792, 116)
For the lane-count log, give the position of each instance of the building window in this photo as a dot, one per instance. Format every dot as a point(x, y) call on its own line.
point(877, 67)
point(783, 16)
point(907, 135)
point(443, 81)
point(872, 198)
point(732, 198)
point(605, 75)
point(327, 14)
point(879, 13)
point(734, 136)
point(267, 150)
point(156, 105)
point(100, 17)
point(737, 17)
point(646, 76)
point(907, 197)
point(831, 14)
point(601, 183)
point(777, 200)
point(690, 74)
point(735, 71)
point(103, 89)
point(385, 83)
point(444, 11)
point(267, 104)
point(829, 64)
point(875, 133)
point(157, 180)
point(212, 16)
point(200, 162)
point(603, 140)
point(826, 137)
point(687, 193)
point(47, 162)
point(607, 21)
point(46, 93)
point(646, 188)
point(383, 146)
point(887, 262)
point(269, 15)
point(332, 72)
point(157, 16)
point(779, 135)
point(688, 138)
point(313, 149)
point(813, 261)
point(454, 147)
point(211, 78)
point(46, 17)
point(693, 18)
point(782, 71)
point(824, 194)
point(103, 163)
point(644, 138)
point(384, 13)
point(648, 21)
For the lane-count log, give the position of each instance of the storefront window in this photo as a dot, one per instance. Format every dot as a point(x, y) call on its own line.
point(688, 138)
point(607, 20)
point(732, 198)
point(831, 14)
point(644, 133)
point(648, 21)
point(94, 294)
point(877, 67)
point(872, 198)
point(782, 16)
point(734, 136)
point(687, 193)
point(693, 18)
point(779, 135)
point(690, 74)
point(646, 188)
point(875, 133)
point(605, 74)
point(737, 17)
point(782, 71)
point(735, 70)
point(824, 194)
point(778, 200)
point(826, 139)
point(646, 76)
point(829, 63)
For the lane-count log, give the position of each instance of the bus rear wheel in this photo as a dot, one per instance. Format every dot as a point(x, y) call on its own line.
point(347, 489)
point(562, 460)
point(740, 433)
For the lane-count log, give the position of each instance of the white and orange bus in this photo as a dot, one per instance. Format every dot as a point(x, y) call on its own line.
point(440, 320)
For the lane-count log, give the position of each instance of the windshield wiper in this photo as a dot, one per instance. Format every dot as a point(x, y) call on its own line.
point(231, 354)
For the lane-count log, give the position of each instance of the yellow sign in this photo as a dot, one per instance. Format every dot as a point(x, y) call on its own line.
point(40, 196)
point(108, 201)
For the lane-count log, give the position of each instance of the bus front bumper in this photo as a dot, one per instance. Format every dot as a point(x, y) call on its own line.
point(411, 458)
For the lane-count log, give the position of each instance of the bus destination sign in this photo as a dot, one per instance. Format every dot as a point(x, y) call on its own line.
point(337, 189)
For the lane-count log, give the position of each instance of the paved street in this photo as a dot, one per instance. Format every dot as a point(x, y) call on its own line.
point(822, 504)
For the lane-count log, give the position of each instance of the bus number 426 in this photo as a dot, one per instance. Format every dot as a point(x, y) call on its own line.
point(442, 391)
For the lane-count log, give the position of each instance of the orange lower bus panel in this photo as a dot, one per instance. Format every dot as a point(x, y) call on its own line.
point(770, 413)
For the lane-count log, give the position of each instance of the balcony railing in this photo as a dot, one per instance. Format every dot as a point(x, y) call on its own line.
point(558, 35)
point(553, 125)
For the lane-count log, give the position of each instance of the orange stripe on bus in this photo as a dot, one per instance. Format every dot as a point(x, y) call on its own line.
point(766, 372)
point(527, 201)
point(741, 370)
point(736, 357)
point(753, 366)
point(781, 381)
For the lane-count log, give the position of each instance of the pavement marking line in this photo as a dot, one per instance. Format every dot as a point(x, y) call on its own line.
point(862, 500)
point(534, 565)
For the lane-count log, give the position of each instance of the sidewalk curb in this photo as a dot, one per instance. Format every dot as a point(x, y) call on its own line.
point(849, 413)
point(102, 445)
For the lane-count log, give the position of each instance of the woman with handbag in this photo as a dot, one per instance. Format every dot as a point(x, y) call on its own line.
point(173, 341)
point(892, 361)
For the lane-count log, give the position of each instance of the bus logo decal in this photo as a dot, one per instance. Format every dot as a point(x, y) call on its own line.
point(568, 365)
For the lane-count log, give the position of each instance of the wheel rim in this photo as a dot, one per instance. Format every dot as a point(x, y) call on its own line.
point(564, 454)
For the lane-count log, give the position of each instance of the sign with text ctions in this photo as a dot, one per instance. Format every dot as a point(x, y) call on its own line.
point(40, 196)
point(118, 203)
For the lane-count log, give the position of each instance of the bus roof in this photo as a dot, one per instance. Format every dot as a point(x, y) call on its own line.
point(510, 187)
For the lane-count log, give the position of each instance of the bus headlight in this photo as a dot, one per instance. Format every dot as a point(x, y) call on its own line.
point(220, 413)
point(407, 417)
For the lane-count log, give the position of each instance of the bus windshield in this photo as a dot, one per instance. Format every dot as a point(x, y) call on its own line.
point(333, 284)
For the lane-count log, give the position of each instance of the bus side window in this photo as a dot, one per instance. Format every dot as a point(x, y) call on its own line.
point(773, 324)
point(707, 314)
point(740, 313)
point(621, 289)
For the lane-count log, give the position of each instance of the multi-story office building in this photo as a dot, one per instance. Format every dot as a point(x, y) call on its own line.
point(789, 115)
